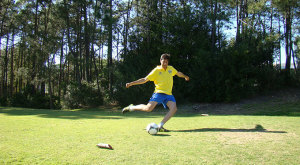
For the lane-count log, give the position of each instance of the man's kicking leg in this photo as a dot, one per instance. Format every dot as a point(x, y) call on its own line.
point(172, 110)
point(142, 107)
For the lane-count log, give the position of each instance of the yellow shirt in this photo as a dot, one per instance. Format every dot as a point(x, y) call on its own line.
point(163, 79)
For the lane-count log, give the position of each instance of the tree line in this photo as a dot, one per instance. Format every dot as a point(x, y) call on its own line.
point(80, 53)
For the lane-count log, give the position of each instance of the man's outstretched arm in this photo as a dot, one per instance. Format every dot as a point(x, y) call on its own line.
point(137, 82)
point(180, 74)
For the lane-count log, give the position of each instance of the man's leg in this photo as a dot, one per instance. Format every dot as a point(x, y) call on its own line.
point(172, 110)
point(146, 108)
point(142, 107)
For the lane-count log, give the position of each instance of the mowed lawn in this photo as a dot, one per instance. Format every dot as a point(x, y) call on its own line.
point(30, 136)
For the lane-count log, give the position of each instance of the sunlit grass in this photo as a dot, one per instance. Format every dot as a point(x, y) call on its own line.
point(30, 136)
point(275, 109)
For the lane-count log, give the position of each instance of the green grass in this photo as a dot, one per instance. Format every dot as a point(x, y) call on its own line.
point(275, 109)
point(29, 136)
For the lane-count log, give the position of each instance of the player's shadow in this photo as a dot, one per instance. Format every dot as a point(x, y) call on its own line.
point(162, 135)
point(258, 128)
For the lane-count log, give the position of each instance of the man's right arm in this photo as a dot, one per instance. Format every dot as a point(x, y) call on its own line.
point(137, 82)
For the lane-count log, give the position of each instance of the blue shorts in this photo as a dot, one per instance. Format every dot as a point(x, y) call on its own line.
point(162, 98)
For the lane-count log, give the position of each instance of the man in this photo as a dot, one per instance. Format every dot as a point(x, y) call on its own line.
point(162, 76)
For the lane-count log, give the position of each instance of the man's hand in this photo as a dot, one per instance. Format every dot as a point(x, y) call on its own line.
point(187, 78)
point(128, 85)
point(180, 74)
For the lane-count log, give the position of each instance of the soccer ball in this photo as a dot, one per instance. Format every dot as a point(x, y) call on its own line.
point(152, 128)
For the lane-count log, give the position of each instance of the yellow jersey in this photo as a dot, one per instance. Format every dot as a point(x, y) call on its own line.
point(163, 79)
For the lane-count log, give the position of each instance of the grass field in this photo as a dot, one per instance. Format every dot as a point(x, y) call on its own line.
point(30, 136)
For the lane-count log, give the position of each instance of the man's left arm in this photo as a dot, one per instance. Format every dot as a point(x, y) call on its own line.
point(180, 74)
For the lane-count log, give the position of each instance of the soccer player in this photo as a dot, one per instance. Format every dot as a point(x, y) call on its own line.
point(162, 76)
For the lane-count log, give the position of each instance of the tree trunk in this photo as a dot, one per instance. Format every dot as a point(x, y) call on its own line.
point(74, 53)
point(279, 45)
point(214, 9)
point(61, 70)
point(34, 59)
point(237, 21)
point(271, 26)
point(287, 42)
point(79, 48)
point(22, 58)
point(49, 82)
point(93, 52)
point(49, 63)
point(5, 70)
point(97, 72)
point(126, 27)
point(294, 59)
point(86, 44)
point(109, 50)
point(12, 63)
point(1, 78)
point(245, 15)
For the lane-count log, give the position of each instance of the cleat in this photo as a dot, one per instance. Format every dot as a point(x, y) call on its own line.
point(162, 129)
point(127, 109)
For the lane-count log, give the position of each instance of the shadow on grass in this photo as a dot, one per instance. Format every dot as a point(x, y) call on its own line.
point(96, 113)
point(258, 128)
point(73, 114)
point(162, 135)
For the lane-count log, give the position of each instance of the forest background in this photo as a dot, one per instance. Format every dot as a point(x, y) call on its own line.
point(80, 53)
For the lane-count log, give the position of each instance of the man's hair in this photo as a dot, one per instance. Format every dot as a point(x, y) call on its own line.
point(165, 56)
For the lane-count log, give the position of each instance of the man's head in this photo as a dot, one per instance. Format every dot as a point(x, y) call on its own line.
point(164, 60)
point(165, 56)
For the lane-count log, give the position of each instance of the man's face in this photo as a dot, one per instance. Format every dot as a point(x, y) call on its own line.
point(164, 63)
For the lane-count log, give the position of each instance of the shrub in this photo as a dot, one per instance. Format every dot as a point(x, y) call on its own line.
point(19, 100)
point(33, 100)
point(3, 101)
point(82, 95)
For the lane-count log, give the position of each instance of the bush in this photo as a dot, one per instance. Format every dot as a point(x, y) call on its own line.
point(3, 101)
point(33, 100)
point(82, 95)
point(19, 100)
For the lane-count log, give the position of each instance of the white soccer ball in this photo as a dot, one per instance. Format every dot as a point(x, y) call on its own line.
point(152, 128)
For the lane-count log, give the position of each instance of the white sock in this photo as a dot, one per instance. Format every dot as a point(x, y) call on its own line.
point(161, 124)
point(131, 108)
